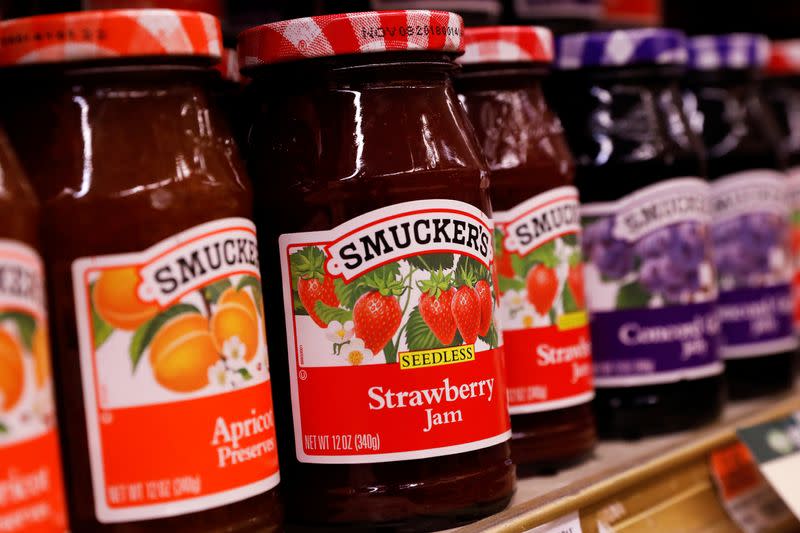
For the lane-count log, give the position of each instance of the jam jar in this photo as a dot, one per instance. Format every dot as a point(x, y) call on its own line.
point(750, 211)
point(385, 352)
point(537, 244)
point(782, 92)
point(30, 465)
point(155, 295)
point(649, 276)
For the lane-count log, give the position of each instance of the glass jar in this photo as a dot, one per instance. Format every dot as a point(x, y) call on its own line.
point(649, 278)
point(160, 351)
point(749, 205)
point(30, 465)
point(782, 92)
point(537, 244)
point(382, 239)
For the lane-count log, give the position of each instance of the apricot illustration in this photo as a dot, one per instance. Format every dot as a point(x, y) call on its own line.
point(116, 301)
point(41, 355)
point(235, 316)
point(182, 352)
point(12, 374)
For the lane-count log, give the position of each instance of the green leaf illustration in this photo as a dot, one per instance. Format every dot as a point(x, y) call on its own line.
point(255, 289)
point(468, 266)
point(212, 292)
point(299, 308)
point(510, 284)
point(418, 335)
point(491, 337)
point(570, 239)
point(545, 254)
point(349, 293)
point(101, 329)
point(631, 296)
point(390, 351)
point(245, 373)
point(3, 428)
point(431, 262)
point(26, 325)
point(328, 314)
point(144, 335)
point(570, 305)
point(308, 262)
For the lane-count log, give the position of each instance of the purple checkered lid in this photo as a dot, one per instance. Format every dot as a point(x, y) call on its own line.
point(734, 51)
point(644, 46)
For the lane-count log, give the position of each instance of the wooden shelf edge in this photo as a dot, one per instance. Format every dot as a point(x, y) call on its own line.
point(587, 491)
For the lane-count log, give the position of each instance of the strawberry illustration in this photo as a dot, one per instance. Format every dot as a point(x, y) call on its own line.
point(575, 282)
point(434, 306)
point(377, 313)
point(504, 266)
point(484, 292)
point(315, 289)
point(542, 286)
point(466, 307)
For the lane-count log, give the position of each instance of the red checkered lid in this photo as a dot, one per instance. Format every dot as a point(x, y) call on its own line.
point(93, 35)
point(507, 44)
point(784, 57)
point(351, 33)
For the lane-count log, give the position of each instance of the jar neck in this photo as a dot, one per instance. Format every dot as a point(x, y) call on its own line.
point(103, 125)
point(501, 76)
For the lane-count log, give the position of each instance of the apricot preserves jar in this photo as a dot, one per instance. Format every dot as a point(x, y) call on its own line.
point(160, 351)
point(371, 198)
point(537, 244)
point(31, 484)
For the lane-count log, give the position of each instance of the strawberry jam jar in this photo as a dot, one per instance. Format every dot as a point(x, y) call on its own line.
point(155, 295)
point(372, 194)
point(537, 244)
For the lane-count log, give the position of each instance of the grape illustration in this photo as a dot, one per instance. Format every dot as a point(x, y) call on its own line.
point(612, 257)
point(670, 259)
point(742, 245)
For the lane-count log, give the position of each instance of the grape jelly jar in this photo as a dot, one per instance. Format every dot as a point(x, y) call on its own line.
point(782, 90)
point(537, 244)
point(750, 211)
point(649, 279)
point(380, 251)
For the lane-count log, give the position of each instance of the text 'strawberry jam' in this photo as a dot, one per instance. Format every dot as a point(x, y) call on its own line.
point(537, 244)
point(156, 288)
point(782, 92)
point(649, 276)
point(750, 209)
point(388, 350)
point(31, 483)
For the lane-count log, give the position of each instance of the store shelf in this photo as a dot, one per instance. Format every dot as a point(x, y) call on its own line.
point(645, 485)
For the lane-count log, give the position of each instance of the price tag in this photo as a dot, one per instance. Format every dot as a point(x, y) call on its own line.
point(775, 446)
point(570, 523)
point(748, 499)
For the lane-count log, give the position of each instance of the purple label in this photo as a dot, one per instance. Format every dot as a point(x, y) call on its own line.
point(637, 347)
point(651, 286)
point(756, 321)
point(750, 235)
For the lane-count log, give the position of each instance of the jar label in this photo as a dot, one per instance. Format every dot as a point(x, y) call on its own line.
point(794, 217)
point(542, 304)
point(750, 233)
point(173, 350)
point(650, 285)
point(31, 484)
point(391, 317)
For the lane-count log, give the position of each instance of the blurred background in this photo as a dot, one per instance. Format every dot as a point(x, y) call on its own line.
point(779, 19)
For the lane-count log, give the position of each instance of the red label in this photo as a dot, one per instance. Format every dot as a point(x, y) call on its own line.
point(542, 304)
point(31, 486)
point(31, 493)
point(394, 352)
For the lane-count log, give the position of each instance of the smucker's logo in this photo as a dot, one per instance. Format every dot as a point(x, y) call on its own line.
point(747, 192)
point(21, 283)
point(197, 261)
point(368, 244)
point(530, 225)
